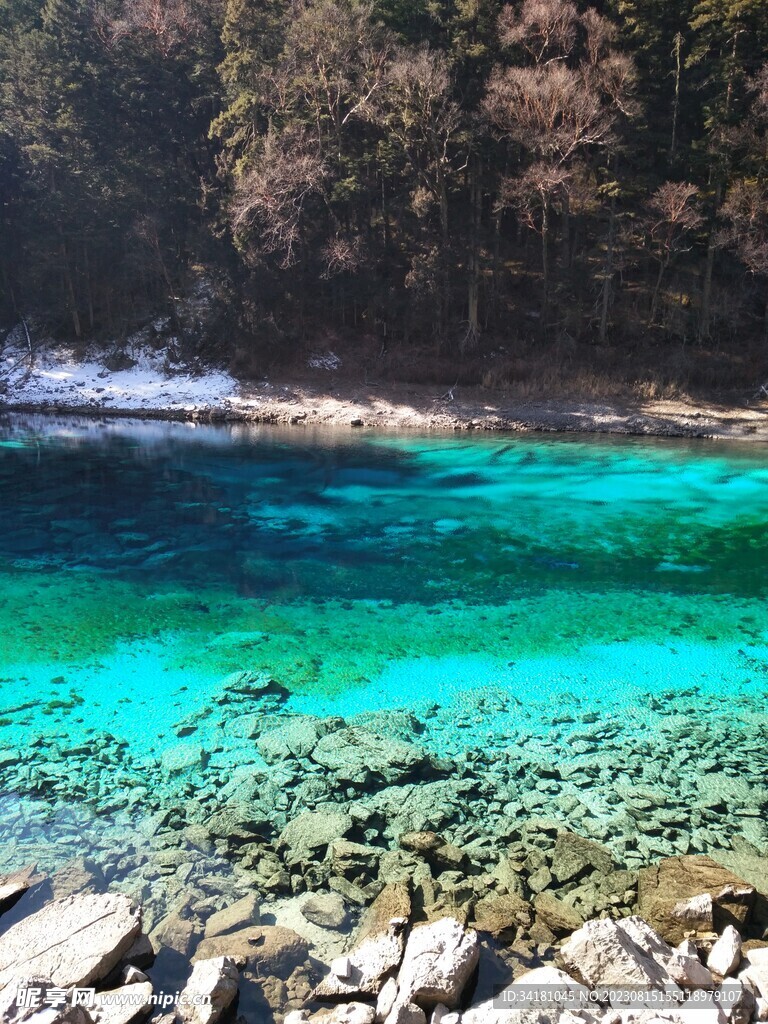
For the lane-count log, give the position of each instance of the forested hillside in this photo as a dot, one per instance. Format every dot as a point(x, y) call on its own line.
point(449, 177)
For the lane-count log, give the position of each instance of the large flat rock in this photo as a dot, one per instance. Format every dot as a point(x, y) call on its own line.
point(361, 757)
point(676, 880)
point(73, 941)
point(260, 951)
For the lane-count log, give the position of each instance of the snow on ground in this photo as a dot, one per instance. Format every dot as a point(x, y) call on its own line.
point(55, 377)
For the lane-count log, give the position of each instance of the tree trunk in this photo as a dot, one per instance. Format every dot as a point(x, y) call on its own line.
point(70, 285)
point(676, 106)
point(656, 291)
point(445, 284)
point(545, 264)
point(473, 262)
point(608, 273)
point(706, 292)
point(565, 237)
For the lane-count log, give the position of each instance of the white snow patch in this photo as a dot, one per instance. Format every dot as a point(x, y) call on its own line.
point(328, 361)
point(56, 377)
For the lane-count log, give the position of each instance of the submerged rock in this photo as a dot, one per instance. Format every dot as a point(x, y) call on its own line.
point(361, 757)
point(297, 738)
point(310, 834)
point(558, 916)
point(252, 684)
point(233, 918)
point(264, 951)
point(325, 909)
point(574, 856)
point(183, 757)
point(78, 876)
point(502, 915)
point(175, 932)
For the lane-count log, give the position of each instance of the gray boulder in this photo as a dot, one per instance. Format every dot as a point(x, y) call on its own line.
point(297, 738)
point(306, 838)
point(233, 918)
point(361, 757)
point(439, 960)
point(213, 980)
point(325, 909)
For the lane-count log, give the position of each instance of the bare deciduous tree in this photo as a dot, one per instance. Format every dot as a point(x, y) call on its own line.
point(270, 196)
point(746, 211)
point(416, 108)
point(335, 62)
point(170, 23)
point(673, 216)
point(544, 29)
point(533, 195)
point(564, 103)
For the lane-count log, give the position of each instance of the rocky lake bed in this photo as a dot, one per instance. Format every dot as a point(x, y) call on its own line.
point(295, 832)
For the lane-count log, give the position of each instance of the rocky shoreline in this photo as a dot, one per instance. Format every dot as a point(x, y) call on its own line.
point(403, 407)
point(686, 935)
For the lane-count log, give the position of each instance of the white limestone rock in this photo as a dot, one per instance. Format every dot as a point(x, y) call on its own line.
point(439, 961)
point(687, 948)
point(216, 981)
point(345, 1013)
point(363, 971)
point(406, 1013)
point(754, 974)
point(386, 999)
point(629, 952)
point(738, 1001)
point(487, 1013)
point(123, 1005)
point(685, 970)
point(725, 956)
point(442, 1015)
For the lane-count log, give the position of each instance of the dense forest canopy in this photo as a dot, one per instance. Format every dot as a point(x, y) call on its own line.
point(442, 173)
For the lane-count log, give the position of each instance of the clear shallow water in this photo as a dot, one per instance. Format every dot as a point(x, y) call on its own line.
point(142, 563)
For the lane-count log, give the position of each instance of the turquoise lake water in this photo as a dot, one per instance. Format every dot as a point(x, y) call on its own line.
point(141, 563)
